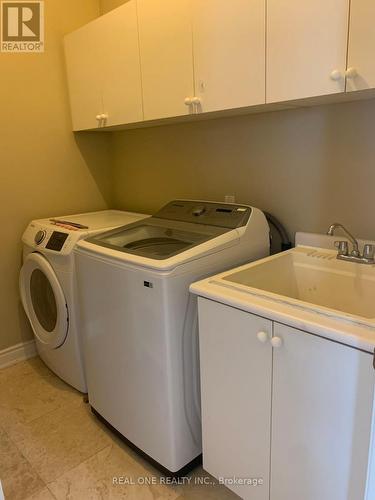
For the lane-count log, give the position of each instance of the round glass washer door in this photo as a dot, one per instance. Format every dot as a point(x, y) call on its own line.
point(44, 300)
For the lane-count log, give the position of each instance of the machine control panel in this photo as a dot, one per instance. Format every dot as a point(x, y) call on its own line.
point(224, 215)
point(56, 241)
point(49, 238)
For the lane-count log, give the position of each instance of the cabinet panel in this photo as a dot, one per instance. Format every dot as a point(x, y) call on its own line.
point(84, 59)
point(103, 68)
point(122, 90)
point(321, 418)
point(166, 57)
point(229, 53)
point(306, 42)
point(361, 44)
point(236, 395)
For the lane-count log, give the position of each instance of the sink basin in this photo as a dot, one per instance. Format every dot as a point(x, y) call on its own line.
point(313, 279)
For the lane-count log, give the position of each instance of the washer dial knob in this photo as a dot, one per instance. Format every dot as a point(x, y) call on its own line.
point(39, 237)
point(199, 211)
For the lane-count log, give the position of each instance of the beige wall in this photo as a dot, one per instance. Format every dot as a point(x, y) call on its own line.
point(42, 172)
point(309, 167)
point(107, 5)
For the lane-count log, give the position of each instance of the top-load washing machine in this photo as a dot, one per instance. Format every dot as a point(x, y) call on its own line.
point(48, 286)
point(140, 322)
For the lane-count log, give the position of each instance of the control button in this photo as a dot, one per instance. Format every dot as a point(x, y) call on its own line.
point(56, 241)
point(199, 211)
point(39, 237)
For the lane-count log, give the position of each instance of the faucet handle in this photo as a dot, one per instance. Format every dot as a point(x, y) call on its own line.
point(369, 251)
point(342, 246)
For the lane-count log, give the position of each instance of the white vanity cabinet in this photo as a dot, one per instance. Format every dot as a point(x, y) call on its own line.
point(282, 400)
point(361, 62)
point(306, 48)
point(321, 418)
point(103, 69)
point(236, 382)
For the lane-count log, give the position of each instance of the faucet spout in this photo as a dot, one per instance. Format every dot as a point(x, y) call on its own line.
point(331, 231)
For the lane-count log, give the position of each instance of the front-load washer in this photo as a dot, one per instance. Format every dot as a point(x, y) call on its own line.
point(140, 322)
point(48, 286)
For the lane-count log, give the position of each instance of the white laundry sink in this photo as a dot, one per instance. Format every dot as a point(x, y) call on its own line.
point(313, 279)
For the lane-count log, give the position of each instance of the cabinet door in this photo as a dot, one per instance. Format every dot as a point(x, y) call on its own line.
point(361, 59)
point(166, 57)
point(229, 53)
point(321, 418)
point(84, 59)
point(236, 396)
point(122, 89)
point(306, 48)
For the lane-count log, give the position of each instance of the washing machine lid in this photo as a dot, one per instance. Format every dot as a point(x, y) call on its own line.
point(156, 239)
point(176, 228)
point(44, 301)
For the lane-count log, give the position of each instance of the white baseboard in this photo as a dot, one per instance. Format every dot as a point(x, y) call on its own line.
point(17, 353)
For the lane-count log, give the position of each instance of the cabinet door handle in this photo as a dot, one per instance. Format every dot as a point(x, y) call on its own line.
point(276, 342)
point(336, 75)
point(98, 118)
point(188, 101)
point(196, 102)
point(351, 73)
point(263, 337)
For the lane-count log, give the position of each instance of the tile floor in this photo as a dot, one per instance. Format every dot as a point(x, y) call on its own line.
point(52, 447)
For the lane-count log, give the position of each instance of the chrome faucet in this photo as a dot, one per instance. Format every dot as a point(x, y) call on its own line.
point(368, 256)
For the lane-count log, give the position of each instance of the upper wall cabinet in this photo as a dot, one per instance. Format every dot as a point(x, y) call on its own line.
point(201, 56)
point(306, 48)
point(361, 62)
point(154, 59)
point(229, 53)
point(103, 69)
point(83, 54)
point(166, 57)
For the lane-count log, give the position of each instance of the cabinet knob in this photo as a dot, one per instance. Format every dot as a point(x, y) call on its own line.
point(98, 118)
point(276, 342)
point(188, 101)
point(336, 75)
point(263, 337)
point(104, 116)
point(196, 101)
point(351, 73)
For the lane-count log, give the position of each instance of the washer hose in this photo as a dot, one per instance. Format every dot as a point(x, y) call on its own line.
point(286, 244)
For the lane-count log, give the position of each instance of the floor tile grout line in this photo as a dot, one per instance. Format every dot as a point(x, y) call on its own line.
point(51, 492)
point(77, 465)
point(25, 459)
point(73, 407)
point(31, 467)
point(18, 446)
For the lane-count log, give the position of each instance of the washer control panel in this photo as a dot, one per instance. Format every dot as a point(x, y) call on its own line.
point(226, 215)
point(56, 241)
point(51, 238)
